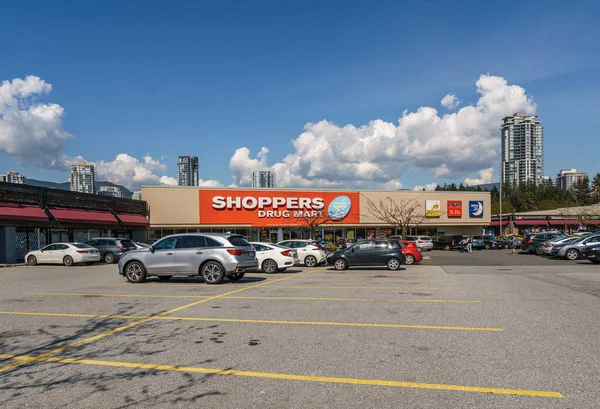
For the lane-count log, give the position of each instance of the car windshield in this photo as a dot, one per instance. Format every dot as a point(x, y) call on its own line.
point(81, 246)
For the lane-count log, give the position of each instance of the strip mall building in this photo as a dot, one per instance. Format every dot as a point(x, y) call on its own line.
point(281, 214)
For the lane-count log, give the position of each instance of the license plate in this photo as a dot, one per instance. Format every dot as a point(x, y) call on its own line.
point(251, 253)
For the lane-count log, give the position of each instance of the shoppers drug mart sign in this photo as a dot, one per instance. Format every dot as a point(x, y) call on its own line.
point(277, 207)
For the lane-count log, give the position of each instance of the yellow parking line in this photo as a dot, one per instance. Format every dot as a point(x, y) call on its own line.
point(365, 287)
point(253, 298)
point(243, 321)
point(292, 377)
point(142, 321)
point(383, 280)
point(350, 299)
point(116, 295)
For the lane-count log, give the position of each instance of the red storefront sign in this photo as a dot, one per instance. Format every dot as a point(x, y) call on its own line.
point(277, 208)
point(454, 208)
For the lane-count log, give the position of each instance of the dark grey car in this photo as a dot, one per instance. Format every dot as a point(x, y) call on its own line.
point(111, 249)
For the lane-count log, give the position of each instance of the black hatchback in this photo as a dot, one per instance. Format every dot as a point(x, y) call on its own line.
point(369, 253)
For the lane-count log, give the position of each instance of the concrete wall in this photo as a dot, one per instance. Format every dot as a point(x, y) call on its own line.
point(173, 207)
point(419, 198)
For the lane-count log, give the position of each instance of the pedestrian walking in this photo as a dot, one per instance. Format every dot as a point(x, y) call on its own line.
point(462, 246)
point(470, 245)
point(514, 244)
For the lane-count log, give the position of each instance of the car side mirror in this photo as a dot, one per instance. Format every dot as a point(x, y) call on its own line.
point(152, 249)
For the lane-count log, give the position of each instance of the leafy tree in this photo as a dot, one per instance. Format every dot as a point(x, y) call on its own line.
point(581, 191)
point(596, 189)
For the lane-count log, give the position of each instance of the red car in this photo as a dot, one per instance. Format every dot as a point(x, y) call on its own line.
point(411, 251)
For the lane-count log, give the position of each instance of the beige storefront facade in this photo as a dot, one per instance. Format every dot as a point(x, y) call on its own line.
point(278, 214)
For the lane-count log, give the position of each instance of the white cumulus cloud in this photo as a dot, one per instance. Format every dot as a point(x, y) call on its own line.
point(449, 101)
point(132, 172)
point(430, 187)
point(30, 132)
point(451, 145)
point(485, 176)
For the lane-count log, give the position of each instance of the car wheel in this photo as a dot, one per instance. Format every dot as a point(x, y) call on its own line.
point(572, 254)
point(164, 278)
point(236, 276)
point(31, 260)
point(539, 250)
point(447, 247)
point(109, 258)
point(310, 261)
point(68, 261)
point(269, 266)
point(340, 264)
point(135, 272)
point(506, 246)
point(212, 273)
point(487, 246)
point(410, 259)
point(393, 264)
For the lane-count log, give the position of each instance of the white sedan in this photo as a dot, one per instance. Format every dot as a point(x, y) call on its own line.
point(63, 253)
point(273, 258)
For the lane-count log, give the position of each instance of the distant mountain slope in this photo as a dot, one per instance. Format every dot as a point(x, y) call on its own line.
point(67, 185)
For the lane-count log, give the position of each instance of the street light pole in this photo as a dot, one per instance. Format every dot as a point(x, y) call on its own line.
point(501, 232)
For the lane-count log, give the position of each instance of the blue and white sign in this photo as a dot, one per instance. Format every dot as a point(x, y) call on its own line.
point(475, 208)
point(339, 208)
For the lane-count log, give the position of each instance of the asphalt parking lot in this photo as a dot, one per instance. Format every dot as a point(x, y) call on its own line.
point(451, 332)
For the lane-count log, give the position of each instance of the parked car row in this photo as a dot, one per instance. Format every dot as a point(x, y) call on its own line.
point(560, 245)
point(215, 256)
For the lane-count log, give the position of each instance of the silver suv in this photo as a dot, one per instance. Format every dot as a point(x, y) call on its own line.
point(210, 255)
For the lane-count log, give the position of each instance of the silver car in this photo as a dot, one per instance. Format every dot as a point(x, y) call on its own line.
point(546, 248)
point(212, 256)
point(574, 250)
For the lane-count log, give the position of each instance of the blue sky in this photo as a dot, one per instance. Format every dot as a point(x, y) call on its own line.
point(207, 78)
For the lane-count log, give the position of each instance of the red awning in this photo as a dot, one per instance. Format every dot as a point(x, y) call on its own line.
point(133, 219)
point(533, 222)
point(591, 222)
point(565, 222)
point(496, 223)
point(83, 216)
point(22, 212)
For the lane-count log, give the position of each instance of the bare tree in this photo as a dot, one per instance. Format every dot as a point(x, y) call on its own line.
point(312, 221)
point(400, 213)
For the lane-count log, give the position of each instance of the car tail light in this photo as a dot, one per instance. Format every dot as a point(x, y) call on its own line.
point(82, 251)
point(286, 253)
point(122, 248)
point(235, 252)
point(420, 241)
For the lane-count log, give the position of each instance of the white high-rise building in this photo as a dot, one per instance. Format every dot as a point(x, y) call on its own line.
point(187, 171)
point(137, 195)
point(13, 177)
point(264, 178)
point(113, 191)
point(522, 149)
point(568, 177)
point(82, 177)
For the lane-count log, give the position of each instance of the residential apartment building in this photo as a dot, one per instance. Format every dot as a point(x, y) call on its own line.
point(264, 178)
point(113, 191)
point(522, 149)
point(187, 171)
point(568, 177)
point(13, 177)
point(82, 177)
point(137, 195)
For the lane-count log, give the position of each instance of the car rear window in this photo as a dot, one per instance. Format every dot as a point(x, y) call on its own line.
point(425, 238)
point(238, 241)
point(112, 242)
point(81, 246)
point(126, 243)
